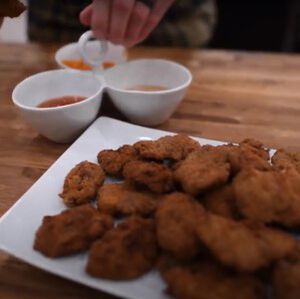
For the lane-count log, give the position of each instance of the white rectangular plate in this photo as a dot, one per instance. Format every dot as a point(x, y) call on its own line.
point(19, 224)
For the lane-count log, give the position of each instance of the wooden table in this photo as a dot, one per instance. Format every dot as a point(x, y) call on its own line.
point(234, 95)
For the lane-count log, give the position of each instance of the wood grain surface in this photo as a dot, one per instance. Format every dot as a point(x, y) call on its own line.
point(234, 95)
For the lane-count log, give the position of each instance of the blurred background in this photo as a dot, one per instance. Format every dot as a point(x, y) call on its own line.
point(258, 25)
point(263, 25)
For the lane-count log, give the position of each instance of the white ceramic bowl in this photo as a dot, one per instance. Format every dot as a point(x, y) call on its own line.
point(116, 54)
point(147, 108)
point(60, 124)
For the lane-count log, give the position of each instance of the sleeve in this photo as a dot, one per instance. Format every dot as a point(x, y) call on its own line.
point(189, 23)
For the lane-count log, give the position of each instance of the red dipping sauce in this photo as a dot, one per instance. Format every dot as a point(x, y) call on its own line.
point(61, 101)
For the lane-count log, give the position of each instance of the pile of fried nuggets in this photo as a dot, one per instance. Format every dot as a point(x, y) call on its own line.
point(215, 221)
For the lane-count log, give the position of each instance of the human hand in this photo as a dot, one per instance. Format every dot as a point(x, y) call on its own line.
point(126, 22)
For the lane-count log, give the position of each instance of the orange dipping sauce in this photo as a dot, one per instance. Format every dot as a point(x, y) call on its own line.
point(147, 88)
point(61, 101)
point(80, 65)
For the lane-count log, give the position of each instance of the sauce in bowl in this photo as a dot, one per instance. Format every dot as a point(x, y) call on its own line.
point(80, 65)
point(61, 101)
point(147, 88)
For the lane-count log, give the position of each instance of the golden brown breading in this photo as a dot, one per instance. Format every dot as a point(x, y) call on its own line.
point(176, 218)
point(209, 281)
point(269, 196)
point(166, 262)
point(113, 161)
point(221, 201)
point(255, 147)
point(71, 231)
point(248, 155)
point(155, 177)
point(202, 170)
point(283, 159)
point(286, 278)
point(11, 8)
point(244, 246)
point(175, 147)
point(120, 199)
point(82, 183)
point(126, 252)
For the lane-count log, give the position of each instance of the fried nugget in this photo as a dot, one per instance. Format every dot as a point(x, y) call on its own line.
point(175, 147)
point(119, 200)
point(176, 219)
point(221, 201)
point(82, 183)
point(155, 177)
point(126, 252)
point(244, 246)
point(283, 159)
point(256, 147)
point(286, 280)
point(113, 161)
point(207, 280)
point(202, 170)
point(71, 231)
point(11, 8)
point(165, 262)
point(248, 154)
point(269, 196)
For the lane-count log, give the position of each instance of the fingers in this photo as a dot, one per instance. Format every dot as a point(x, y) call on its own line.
point(126, 22)
point(121, 12)
point(86, 15)
point(100, 18)
point(157, 13)
point(138, 19)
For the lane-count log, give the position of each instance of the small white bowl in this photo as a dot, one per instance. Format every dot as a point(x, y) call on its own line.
point(60, 124)
point(115, 54)
point(143, 107)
